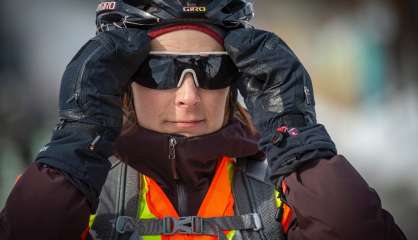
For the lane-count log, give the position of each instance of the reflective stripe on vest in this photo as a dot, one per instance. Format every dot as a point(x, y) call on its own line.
point(286, 210)
point(218, 202)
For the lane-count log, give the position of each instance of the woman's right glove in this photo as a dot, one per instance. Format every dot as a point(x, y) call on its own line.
point(90, 114)
point(278, 93)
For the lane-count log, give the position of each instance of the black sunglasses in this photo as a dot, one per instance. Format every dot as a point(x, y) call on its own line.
point(166, 70)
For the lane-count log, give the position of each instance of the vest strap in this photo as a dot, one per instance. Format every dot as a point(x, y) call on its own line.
point(189, 225)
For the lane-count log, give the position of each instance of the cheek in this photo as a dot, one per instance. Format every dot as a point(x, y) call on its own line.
point(214, 102)
point(150, 105)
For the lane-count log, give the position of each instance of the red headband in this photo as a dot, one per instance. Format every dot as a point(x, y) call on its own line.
point(201, 28)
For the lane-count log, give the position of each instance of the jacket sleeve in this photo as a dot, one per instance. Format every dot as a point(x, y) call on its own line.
point(330, 200)
point(44, 205)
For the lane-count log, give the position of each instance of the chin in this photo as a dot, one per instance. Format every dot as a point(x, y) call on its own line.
point(190, 133)
point(195, 132)
point(188, 129)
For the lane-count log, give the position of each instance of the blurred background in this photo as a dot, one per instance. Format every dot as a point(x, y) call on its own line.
point(362, 56)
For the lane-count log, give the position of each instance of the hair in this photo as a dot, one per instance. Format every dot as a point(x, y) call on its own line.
point(233, 109)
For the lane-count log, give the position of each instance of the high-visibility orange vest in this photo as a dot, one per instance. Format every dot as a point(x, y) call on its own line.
point(218, 202)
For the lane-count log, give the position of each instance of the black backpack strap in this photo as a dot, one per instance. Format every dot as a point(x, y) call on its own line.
point(119, 196)
point(257, 170)
point(253, 193)
point(189, 225)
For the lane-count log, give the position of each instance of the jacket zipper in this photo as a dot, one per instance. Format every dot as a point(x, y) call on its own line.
point(181, 193)
point(77, 86)
point(307, 95)
point(172, 156)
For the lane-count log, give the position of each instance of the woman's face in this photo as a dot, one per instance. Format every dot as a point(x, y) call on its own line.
point(186, 110)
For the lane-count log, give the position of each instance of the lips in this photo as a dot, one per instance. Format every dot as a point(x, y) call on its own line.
point(191, 121)
point(186, 123)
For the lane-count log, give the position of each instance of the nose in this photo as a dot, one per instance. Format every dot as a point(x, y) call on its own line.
point(187, 93)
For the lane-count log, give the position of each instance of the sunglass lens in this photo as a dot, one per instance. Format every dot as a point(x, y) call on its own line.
point(164, 71)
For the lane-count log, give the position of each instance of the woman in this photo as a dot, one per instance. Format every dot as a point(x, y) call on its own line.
point(195, 167)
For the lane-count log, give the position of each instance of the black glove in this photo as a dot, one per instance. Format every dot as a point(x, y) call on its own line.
point(90, 101)
point(278, 93)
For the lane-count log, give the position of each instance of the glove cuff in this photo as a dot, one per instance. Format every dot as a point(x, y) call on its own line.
point(80, 153)
point(287, 149)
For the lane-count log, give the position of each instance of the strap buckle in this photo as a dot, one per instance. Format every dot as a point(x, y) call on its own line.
point(257, 221)
point(125, 224)
point(187, 225)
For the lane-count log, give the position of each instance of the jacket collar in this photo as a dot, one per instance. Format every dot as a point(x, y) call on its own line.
point(168, 158)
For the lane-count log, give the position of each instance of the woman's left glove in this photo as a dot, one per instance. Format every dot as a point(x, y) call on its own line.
point(278, 93)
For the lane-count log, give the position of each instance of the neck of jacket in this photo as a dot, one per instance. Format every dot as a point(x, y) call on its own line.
point(184, 166)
